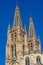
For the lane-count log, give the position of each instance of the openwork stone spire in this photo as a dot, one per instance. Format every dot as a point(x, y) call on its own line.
point(17, 19)
point(31, 28)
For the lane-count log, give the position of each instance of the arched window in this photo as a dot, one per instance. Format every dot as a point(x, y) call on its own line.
point(15, 50)
point(12, 50)
point(12, 36)
point(37, 59)
point(27, 61)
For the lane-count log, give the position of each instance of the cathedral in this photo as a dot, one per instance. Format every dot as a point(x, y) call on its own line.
point(22, 48)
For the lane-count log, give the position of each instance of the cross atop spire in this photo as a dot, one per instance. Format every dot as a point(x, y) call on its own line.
point(17, 19)
point(31, 28)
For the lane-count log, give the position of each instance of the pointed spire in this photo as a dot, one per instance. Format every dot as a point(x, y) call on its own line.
point(25, 30)
point(39, 43)
point(17, 19)
point(8, 33)
point(8, 30)
point(17, 8)
point(31, 28)
point(25, 36)
point(39, 38)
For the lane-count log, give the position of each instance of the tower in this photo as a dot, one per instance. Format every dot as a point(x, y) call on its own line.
point(20, 48)
point(33, 42)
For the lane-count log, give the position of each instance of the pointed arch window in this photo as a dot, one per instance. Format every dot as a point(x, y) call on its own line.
point(23, 48)
point(12, 36)
point(15, 49)
point(37, 59)
point(12, 50)
point(27, 61)
point(15, 35)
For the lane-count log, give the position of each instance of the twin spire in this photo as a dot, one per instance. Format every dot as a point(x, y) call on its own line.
point(17, 22)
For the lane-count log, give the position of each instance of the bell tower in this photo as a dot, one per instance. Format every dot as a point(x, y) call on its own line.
point(14, 39)
point(32, 40)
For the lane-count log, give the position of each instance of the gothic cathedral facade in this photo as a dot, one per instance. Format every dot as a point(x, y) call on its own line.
point(23, 48)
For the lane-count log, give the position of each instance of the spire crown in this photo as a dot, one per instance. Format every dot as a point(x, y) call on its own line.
point(31, 19)
point(17, 8)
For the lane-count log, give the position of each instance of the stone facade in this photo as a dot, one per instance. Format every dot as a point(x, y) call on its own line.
point(23, 48)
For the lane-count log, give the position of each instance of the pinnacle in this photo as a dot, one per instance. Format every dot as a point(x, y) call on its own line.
point(30, 18)
point(17, 6)
point(9, 28)
point(25, 30)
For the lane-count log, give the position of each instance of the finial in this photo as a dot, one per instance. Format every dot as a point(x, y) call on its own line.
point(30, 18)
point(17, 6)
point(16, 2)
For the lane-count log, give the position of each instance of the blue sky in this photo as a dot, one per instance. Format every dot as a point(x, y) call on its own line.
point(27, 8)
